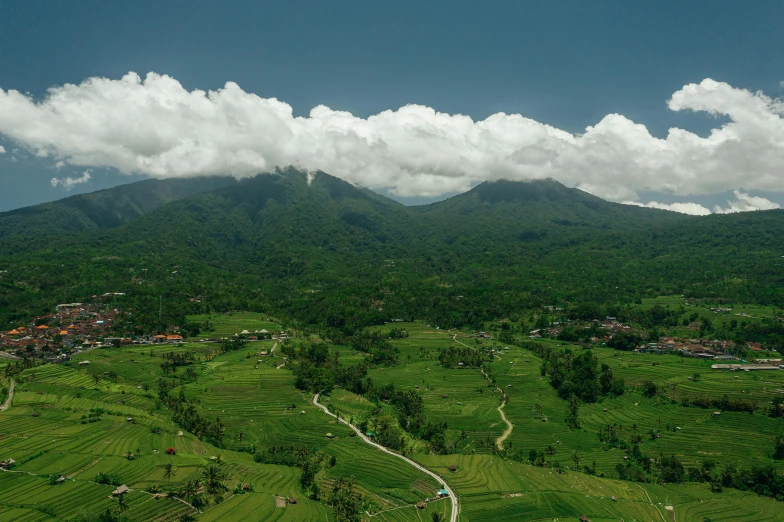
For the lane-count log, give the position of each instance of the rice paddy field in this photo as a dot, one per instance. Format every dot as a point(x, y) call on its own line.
point(225, 325)
point(252, 398)
point(739, 438)
point(255, 398)
point(491, 488)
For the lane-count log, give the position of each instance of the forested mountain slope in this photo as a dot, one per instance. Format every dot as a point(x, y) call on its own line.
point(318, 249)
point(104, 208)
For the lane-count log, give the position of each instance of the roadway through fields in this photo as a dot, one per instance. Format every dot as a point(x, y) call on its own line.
point(7, 403)
point(452, 495)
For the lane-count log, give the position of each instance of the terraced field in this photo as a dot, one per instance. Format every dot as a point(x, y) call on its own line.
point(225, 325)
point(491, 488)
point(741, 438)
point(260, 407)
point(252, 398)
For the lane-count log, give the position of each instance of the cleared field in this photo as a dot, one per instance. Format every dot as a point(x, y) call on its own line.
point(225, 325)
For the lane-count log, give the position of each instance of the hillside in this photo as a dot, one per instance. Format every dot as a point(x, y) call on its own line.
point(325, 252)
point(102, 209)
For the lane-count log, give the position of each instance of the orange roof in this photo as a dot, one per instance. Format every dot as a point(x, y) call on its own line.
point(13, 332)
point(42, 327)
point(174, 337)
point(64, 332)
point(72, 326)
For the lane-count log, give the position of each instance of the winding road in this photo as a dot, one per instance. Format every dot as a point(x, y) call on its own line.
point(452, 495)
point(7, 403)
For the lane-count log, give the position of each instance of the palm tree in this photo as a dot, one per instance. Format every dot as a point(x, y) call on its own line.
point(190, 489)
point(121, 504)
point(213, 477)
point(168, 471)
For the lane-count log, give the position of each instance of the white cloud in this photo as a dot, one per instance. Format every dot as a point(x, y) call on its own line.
point(746, 203)
point(695, 209)
point(2, 149)
point(156, 127)
point(69, 183)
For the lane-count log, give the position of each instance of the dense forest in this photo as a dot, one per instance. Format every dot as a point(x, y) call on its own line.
point(320, 251)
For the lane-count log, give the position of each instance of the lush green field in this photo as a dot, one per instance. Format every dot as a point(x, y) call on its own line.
point(491, 488)
point(251, 398)
point(259, 406)
point(225, 325)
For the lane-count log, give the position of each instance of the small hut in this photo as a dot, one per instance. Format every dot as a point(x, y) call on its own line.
point(122, 490)
point(421, 505)
point(292, 500)
point(453, 469)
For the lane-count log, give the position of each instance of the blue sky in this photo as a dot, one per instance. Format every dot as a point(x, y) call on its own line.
point(563, 64)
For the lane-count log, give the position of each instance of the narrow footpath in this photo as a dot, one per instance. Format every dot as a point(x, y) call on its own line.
point(509, 426)
point(7, 403)
point(441, 481)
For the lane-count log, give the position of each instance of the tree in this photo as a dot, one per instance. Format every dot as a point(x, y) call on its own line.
point(168, 471)
point(778, 448)
point(572, 412)
point(437, 517)
point(121, 504)
point(190, 489)
point(213, 479)
point(649, 388)
point(346, 503)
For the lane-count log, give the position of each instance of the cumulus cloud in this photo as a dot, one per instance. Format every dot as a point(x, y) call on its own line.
point(2, 149)
point(746, 203)
point(155, 126)
point(69, 183)
point(695, 209)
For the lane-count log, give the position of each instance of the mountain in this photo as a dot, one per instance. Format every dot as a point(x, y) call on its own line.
point(103, 209)
point(315, 248)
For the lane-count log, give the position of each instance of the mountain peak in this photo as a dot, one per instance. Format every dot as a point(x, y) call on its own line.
point(505, 190)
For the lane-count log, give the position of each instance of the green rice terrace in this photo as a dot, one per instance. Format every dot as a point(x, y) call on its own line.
point(229, 431)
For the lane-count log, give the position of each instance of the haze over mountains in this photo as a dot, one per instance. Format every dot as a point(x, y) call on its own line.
point(316, 247)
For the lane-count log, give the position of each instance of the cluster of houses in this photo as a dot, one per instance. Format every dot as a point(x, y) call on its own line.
point(610, 326)
point(715, 349)
point(71, 326)
point(74, 327)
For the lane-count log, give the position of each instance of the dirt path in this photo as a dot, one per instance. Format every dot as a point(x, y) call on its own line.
point(7, 403)
point(652, 504)
point(509, 427)
point(442, 482)
point(499, 442)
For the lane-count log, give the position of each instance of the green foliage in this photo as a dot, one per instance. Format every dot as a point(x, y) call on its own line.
point(346, 502)
point(108, 478)
point(578, 374)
